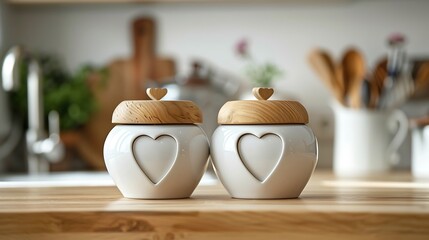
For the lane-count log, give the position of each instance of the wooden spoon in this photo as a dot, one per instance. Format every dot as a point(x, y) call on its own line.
point(324, 66)
point(341, 83)
point(422, 77)
point(377, 81)
point(354, 69)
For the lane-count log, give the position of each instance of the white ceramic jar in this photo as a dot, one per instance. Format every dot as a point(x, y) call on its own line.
point(264, 149)
point(157, 151)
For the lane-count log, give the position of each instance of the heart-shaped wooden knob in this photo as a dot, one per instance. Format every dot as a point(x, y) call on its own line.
point(156, 93)
point(263, 93)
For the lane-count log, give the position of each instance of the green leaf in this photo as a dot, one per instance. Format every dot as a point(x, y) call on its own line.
point(66, 93)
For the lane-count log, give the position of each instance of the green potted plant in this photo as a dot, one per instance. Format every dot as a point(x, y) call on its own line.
point(68, 94)
point(260, 74)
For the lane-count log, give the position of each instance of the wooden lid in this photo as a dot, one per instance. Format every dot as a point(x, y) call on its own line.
point(262, 111)
point(157, 112)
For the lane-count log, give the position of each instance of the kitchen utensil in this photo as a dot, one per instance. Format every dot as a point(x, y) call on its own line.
point(366, 93)
point(395, 65)
point(396, 58)
point(366, 141)
point(263, 148)
point(340, 78)
point(403, 88)
point(156, 151)
point(324, 66)
point(380, 73)
point(402, 92)
point(354, 70)
point(377, 82)
point(422, 77)
point(420, 150)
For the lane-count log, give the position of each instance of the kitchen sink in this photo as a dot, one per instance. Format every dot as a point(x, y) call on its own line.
point(60, 179)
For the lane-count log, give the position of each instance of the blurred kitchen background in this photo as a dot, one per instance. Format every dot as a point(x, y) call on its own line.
point(115, 49)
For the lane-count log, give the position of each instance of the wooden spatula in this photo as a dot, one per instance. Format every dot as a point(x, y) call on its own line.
point(325, 68)
point(377, 81)
point(354, 70)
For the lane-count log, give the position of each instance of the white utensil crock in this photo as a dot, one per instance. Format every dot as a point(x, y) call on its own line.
point(420, 152)
point(366, 141)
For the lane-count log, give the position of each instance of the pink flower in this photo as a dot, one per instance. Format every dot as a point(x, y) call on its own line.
point(241, 48)
point(396, 38)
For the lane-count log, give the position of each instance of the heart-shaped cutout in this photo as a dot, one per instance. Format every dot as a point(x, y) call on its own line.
point(260, 155)
point(263, 93)
point(155, 157)
point(156, 93)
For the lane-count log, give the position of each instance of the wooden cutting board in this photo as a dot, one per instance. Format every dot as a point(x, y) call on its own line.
point(127, 80)
point(120, 80)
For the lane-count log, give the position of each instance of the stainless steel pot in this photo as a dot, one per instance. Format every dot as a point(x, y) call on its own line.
point(208, 88)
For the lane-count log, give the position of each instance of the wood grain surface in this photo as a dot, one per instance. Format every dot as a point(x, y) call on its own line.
point(262, 112)
point(354, 70)
point(127, 80)
point(384, 207)
point(156, 93)
point(144, 54)
point(262, 93)
point(108, 96)
point(157, 112)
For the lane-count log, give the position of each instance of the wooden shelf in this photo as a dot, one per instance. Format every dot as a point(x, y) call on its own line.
point(387, 207)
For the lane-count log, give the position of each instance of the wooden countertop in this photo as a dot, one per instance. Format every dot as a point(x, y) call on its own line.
point(387, 207)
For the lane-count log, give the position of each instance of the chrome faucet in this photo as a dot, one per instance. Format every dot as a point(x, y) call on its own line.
point(41, 150)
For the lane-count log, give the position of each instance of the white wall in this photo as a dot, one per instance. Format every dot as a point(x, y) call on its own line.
point(282, 33)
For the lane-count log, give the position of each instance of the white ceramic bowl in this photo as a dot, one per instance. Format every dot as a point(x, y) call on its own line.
point(264, 161)
point(156, 161)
